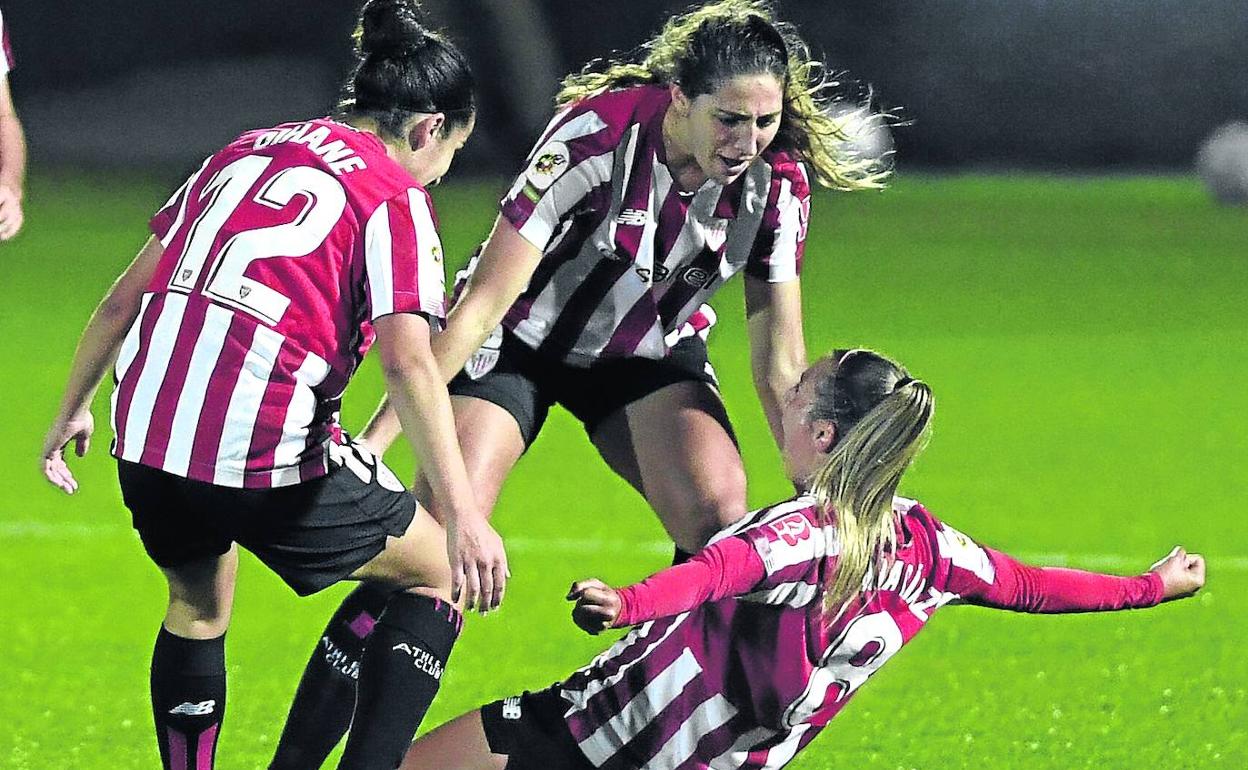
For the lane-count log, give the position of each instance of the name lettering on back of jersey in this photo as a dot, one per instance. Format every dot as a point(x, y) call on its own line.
point(340, 158)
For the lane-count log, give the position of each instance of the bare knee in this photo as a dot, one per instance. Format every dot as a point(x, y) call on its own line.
point(693, 516)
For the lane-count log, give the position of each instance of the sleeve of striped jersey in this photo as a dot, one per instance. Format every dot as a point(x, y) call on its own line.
point(729, 567)
point(163, 220)
point(574, 156)
point(990, 578)
point(792, 549)
point(781, 241)
point(6, 48)
point(403, 259)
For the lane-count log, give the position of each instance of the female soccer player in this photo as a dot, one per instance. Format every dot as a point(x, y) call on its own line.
point(744, 653)
point(655, 183)
point(269, 273)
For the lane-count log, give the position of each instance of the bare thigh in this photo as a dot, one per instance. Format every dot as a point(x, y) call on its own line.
point(201, 596)
point(491, 443)
point(672, 449)
point(457, 745)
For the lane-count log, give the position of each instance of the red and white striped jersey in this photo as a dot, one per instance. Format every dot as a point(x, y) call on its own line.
point(627, 256)
point(747, 671)
point(6, 48)
point(278, 253)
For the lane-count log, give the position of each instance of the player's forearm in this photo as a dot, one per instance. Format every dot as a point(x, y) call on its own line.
point(96, 352)
point(730, 567)
point(1026, 588)
point(777, 346)
point(382, 428)
point(420, 402)
point(12, 154)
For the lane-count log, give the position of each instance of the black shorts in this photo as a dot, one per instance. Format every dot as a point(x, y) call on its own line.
point(312, 534)
point(530, 730)
point(526, 383)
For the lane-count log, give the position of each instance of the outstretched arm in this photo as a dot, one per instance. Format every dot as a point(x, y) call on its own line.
point(1025, 588)
point(730, 567)
point(97, 349)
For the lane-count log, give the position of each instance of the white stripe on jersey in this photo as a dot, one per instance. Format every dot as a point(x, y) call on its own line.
point(771, 514)
point(814, 547)
point(299, 415)
point(796, 594)
point(191, 400)
point(125, 357)
point(625, 172)
point(706, 718)
point(579, 698)
point(783, 262)
point(379, 262)
point(657, 695)
point(428, 256)
point(573, 185)
point(736, 755)
point(184, 192)
point(782, 754)
point(160, 350)
point(244, 408)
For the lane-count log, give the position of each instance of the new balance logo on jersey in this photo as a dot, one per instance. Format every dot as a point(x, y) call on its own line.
point(511, 707)
point(634, 217)
point(420, 659)
point(203, 708)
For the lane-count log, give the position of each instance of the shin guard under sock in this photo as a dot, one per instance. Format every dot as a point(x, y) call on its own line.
point(188, 699)
point(325, 700)
point(402, 667)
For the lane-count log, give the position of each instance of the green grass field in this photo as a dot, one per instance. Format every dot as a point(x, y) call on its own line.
point(1086, 340)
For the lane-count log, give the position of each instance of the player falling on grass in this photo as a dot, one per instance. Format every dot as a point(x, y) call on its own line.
point(12, 146)
point(655, 183)
point(744, 653)
point(234, 333)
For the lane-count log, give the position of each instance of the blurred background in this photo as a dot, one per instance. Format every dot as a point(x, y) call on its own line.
point(1065, 85)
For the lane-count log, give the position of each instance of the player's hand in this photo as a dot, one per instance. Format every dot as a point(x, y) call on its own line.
point(1182, 573)
point(478, 563)
point(597, 605)
point(77, 429)
point(10, 212)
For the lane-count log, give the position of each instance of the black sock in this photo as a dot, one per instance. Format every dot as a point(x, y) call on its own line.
point(188, 699)
point(680, 556)
point(403, 662)
point(321, 712)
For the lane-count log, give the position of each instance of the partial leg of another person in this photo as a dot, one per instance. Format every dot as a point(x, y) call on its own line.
point(675, 446)
point(325, 700)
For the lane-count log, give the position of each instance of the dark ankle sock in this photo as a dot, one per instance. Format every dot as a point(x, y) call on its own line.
point(188, 699)
point(403, 663)
point(321, 712)
point(680, 556)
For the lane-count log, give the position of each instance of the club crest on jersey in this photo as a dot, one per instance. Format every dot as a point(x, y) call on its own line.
point(549, 164)
point(792, 528)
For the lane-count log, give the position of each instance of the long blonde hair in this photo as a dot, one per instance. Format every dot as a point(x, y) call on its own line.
point(882, 418)
point(707, 45)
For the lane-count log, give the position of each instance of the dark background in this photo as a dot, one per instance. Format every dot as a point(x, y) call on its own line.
point(1063, 85)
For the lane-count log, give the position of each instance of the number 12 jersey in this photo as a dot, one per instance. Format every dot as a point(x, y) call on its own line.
point(278, 253)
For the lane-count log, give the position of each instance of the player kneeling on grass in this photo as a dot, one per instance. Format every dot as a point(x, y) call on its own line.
point(744, 653)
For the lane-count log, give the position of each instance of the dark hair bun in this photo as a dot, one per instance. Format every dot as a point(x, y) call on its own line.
point(390, 28)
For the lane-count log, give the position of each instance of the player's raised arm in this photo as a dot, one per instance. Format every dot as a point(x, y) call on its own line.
point(95, 354)
point(1003, 582)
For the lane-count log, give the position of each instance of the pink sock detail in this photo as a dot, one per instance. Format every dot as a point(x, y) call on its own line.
point(363, 624)
point(203, 752)
point(177, 749)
